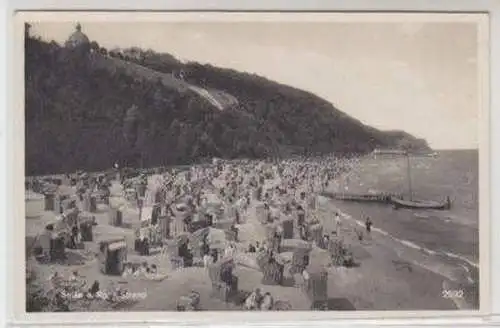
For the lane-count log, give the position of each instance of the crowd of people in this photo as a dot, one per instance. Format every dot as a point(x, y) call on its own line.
point(283, 188)
point(225, 195)
point(224, 191)
point(287, 190)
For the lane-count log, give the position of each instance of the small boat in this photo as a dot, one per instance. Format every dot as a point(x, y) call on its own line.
point(420, 204)
point(399, 202)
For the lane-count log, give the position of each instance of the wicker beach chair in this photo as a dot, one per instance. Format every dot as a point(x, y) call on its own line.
point(316, 287)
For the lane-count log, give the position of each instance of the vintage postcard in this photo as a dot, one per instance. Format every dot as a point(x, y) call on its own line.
point(313, 163)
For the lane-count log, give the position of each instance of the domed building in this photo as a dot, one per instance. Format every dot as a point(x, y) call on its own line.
point(78, 39)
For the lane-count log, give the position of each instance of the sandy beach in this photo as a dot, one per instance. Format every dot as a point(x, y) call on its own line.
point(401, 265)
point(383, 280)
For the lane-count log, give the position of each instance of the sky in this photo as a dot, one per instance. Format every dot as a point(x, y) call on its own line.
point(413, 76)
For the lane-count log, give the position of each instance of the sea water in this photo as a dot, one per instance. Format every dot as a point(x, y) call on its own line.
point(445, 242)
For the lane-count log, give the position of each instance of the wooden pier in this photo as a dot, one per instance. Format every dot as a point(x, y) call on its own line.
point(384, 198)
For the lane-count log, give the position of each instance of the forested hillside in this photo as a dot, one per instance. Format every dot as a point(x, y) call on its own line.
point(83, 114)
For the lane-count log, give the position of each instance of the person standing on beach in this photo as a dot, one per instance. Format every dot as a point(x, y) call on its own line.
point(338, 223)
point(301, 215)
point(368, 225)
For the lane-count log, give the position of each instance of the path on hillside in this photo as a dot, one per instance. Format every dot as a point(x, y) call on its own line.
point(218, 98)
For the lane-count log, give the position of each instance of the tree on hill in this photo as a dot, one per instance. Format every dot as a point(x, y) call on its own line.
point(27, 30)
point(94, 46)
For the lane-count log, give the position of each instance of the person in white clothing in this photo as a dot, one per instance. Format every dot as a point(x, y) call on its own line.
point(207, 260)
point(306, 277)
point(229, 251)
point(253, 300)
point(74, 276)
point(338, 224)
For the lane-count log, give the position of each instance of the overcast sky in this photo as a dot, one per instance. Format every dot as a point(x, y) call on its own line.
point(417, 77)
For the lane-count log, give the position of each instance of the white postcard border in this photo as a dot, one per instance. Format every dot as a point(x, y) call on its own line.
point(16, 161)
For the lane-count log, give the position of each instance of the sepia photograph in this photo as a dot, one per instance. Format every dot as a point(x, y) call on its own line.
point(291, 163)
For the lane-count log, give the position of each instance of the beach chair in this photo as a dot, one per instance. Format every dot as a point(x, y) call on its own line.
point(288, 229)
point(316, 233)
point(214, 272)
point(221, 291)
point(300, 260)
point(230, 235)
point(272, 273)
point(176, 262)
point(50, 201)
point(92, 203)
point(164, 226)
point(115, 217)
point(337, 251)
point(316, 287)
point(86, 230)
point(224, 283)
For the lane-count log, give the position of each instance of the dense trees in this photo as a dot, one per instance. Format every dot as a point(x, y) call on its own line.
point(80, 115)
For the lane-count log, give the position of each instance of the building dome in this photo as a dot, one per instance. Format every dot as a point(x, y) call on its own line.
point(77, 38)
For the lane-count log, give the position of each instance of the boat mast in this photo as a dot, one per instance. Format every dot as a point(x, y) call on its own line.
point(409, 174)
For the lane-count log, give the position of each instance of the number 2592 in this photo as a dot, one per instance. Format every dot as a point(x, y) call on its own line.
point(451, 293)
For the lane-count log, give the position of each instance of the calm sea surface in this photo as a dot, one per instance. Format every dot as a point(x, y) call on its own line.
point(453, 174)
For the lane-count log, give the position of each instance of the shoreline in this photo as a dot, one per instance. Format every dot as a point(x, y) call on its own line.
point(385, 267)
point(451, 268)
point(413, 245)
point(448, 217)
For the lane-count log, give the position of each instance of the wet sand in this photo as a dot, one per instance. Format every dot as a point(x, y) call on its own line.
point(387, 277)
